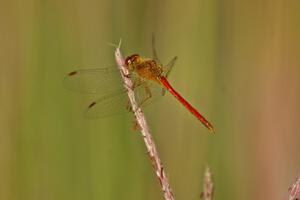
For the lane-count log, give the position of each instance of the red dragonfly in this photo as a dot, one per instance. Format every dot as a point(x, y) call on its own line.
point(148, 75)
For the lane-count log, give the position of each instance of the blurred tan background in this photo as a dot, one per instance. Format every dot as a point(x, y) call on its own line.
point(239, 63)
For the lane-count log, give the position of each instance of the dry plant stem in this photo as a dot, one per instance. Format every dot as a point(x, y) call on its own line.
point(141, 120)
point(208, 186)
point(294, 190)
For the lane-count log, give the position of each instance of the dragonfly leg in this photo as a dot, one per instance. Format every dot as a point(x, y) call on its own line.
point(143, 101)
point(136, 84)
point(128, 106)
point(126, 75)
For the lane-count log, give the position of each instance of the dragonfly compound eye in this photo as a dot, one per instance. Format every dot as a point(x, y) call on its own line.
point(127, 61)
point(132, 59)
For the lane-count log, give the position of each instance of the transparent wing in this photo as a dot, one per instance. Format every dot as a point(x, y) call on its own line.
point(168, 68)
point(154, 52)
point(97, 80)
point(108, 105)
point(118, 102)
point(108, 83)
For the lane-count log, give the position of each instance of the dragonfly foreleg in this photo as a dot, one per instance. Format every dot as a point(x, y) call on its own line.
point(126, 75)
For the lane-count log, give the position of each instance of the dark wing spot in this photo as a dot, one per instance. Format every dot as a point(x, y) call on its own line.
point(72, 73)
point(92, 104)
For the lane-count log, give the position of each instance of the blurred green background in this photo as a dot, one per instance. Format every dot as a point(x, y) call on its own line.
point(239, 63)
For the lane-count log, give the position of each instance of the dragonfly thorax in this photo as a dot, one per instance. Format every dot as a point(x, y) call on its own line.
point(146, 68)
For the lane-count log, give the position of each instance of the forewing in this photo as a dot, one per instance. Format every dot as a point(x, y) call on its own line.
point(114, 99)
point(97, 80)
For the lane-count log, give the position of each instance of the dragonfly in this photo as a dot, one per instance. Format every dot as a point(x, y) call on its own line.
point(150, 80)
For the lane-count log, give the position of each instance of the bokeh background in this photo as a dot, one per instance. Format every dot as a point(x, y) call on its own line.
point(239, 63)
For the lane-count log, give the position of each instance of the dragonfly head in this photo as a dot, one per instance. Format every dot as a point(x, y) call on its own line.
point(132, 61)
